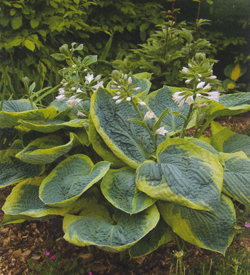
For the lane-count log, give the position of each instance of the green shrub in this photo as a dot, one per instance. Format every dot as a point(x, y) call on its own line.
point(115, 163)
point(33, 30)
point(30, 32)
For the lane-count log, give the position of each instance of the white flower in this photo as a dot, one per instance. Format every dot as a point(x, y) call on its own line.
point(200, 75)
point(178, 96)
point(212, 77)
point(72, 101)
point(181, 103)
point(116, 97)
point(214, 95)
point(201, 85)
point(190, 100)
point(98, 77)
point(161, 131)
point(61, 91)
point(199, 96)
point(185, 70)
point(98, 85)
point(80, 114)
point(119, 101)
point(129, 80)
point(79, 90)
point(73, 88)
point(137, 88)
point(60, 97)
point(148, 115)
point(89, 78)
point(128, 98)
point(188, 81)
point(208, 86)
point(142, 103)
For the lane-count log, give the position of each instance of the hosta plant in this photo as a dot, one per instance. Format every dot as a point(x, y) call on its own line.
point(123, 175)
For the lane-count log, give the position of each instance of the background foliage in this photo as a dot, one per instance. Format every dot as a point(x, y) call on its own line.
point(33, 30)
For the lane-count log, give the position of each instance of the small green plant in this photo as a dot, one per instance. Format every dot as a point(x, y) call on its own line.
point(167, 51)
point(53, 265)
point(235, 262)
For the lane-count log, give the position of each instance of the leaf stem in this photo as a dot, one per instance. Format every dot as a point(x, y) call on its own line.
point(204, 127)
point(182, 134)
point(144, 123)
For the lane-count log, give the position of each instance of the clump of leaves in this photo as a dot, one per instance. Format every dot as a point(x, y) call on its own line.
point(125, 177)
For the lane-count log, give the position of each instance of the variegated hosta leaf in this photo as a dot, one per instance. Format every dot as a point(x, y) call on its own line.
point(227, 141)
point(17, 106)
point(101, 148)
point(229, 104)
point(96, 227)
point(13, 110)
point(13, 170)
point(82, 135)
point(23, 203)
point(203, 144)
point(209, 230)
point(237, 176)
point(128, 140)
point(159, 101)
point(49, 125)
point(70, 179)
point(160, 235)
point(118, 187)
point(185, 174)
point(46, 149)
point(140, 80)
point(10, 219)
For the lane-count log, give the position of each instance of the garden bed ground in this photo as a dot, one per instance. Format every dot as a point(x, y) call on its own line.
point(20, 242)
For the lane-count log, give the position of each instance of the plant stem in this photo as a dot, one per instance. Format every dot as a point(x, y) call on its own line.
point(197, 18)
point(3, 95)
point(145, 124)
point(182, 134)
point(204, 127)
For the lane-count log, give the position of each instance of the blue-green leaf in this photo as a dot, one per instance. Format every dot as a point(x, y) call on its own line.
point(118, 187)
point(128, 140)
point(14, 110)
point(236, 183)
point(46, 149)
point(13, 170)
point(185, 174)
point(24, 204)
point(95, 226)
point(70, 179)
point(209, 230)
point(160, 235)
point(161, 100)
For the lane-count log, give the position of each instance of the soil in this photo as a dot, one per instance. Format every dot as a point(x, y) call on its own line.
point(29, 240)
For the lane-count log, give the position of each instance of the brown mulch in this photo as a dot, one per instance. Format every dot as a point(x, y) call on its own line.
point(28, 240)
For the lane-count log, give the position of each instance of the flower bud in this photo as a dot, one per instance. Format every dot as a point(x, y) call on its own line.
point(116, 75)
